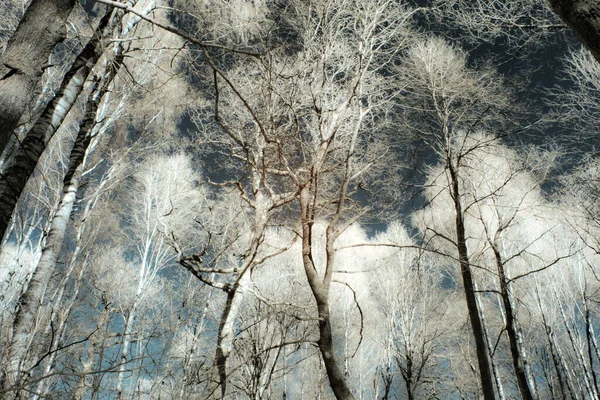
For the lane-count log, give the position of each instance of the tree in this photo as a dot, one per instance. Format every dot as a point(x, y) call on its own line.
point(407, 290)
point(26, 56)
point(21, 166)
point(308, 140)
point(456, 102)
point(578, 103)
point(218, 226)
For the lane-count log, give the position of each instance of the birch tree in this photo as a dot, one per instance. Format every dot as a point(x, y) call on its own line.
point(41, 29)
point(582, 17)
point(457, 102)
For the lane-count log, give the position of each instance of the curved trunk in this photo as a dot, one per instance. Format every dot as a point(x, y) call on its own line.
point(21, 66)
point(320, 291)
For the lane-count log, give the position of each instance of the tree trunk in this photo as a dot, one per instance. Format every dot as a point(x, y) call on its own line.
point(235, 292)
point(485, 369)
point(495, 371)
point(519, 362)
point(21, 66)
point(320, 290)
point(226, 335)
point(589, 335)
point(585, 378)
point(408, 375)
point(19, 169)
point(64, 313)
point(557, 361)
point(583, 17)
point(31, 300)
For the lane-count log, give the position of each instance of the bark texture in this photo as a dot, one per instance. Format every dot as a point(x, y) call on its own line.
point(21, 66)
point(583, 17)
point(32, 299)
point(19, 169)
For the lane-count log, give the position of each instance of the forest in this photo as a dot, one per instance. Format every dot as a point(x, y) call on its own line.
point(300, 199)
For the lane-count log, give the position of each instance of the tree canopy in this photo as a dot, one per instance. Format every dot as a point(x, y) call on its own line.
point(299, 199)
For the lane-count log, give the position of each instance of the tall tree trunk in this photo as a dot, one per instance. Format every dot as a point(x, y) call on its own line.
point(408, 375)
point(21, 66)
point(19, 169)
point(126, 343)
point(235, 293)
point(589, 333)
point(485, 369)
point(320, 290)
point(583, 17)
point(557, 360)
point(585, 378)
point(226, 334)
point(64, 312)
point(490, 345)
point(519, 361)
point(31, 300)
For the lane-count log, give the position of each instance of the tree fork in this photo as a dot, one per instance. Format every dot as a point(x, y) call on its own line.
point(320, 291)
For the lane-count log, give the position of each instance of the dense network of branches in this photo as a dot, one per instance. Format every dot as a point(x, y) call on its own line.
point(299, 199)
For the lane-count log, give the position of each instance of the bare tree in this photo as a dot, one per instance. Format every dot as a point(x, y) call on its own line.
point(21, 166)
point(456, 102)
point(299, 124)
point(578, 104)
point(414, 311)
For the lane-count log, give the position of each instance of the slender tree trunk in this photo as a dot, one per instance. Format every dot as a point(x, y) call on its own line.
point(75, 264)
point(499, 385)
point(589, 335)
point(64, 312)
point(226, 335)
point(580, 357)
point(519, 362)
point(557, 360)
point(125, 345)
point(485, 369)
point(21, 66)
point(235, 294)
point(31, 300)
point(19, 169)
